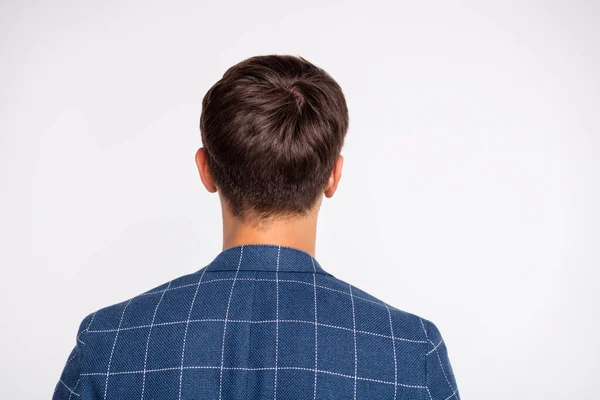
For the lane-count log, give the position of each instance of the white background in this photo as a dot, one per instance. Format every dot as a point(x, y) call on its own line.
point(470, 193)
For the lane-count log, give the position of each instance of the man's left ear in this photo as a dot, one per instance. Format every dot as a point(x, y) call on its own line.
point(205, 176)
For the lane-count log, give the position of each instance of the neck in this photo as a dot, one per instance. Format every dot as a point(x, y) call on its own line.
point(297, 232)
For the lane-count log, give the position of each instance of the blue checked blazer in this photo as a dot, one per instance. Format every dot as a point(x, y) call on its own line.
point(260, 321)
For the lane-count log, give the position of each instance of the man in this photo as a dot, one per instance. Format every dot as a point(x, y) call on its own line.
point(263, 320)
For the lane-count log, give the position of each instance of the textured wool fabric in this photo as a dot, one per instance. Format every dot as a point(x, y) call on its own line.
point(260, 321)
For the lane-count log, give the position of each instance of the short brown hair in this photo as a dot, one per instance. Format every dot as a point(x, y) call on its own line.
point(273, 127)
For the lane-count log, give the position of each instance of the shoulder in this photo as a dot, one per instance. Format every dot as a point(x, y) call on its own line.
point(139, 311)
point(416, 351)
point(374, 314)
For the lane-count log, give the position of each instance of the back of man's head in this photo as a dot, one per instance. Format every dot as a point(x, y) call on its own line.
point(273, 127)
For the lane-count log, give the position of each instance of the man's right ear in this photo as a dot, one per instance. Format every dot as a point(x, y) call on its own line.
point(335, 177)
point(205, 176)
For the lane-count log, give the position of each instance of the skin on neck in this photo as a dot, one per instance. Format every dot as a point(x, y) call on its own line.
point(298, 232)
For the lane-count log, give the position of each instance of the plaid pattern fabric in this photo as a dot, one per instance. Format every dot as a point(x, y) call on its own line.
point(259, 322)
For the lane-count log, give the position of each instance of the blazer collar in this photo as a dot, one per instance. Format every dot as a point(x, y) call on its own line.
point(265, 257)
